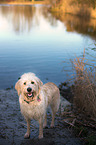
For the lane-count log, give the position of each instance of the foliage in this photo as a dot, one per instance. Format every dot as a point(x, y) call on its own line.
point(88, 2)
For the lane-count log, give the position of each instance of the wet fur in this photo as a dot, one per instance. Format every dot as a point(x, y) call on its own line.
point(36, 108)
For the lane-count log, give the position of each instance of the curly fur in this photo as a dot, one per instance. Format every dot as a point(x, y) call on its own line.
point(42, 96)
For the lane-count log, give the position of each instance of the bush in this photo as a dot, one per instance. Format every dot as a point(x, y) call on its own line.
point(84, 87)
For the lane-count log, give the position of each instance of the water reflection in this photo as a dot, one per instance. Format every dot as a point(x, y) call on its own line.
point(25, 17)
point(20, 16)
point(42, 46)
point(49, 17)
point(78, 24)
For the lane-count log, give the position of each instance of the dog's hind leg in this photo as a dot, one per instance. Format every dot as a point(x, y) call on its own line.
point(27, 134)
point(41, 128)
point(53, 117)
point(45, 121)
point(54, 108)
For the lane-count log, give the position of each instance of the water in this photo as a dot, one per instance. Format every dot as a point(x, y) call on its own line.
point(33, 40)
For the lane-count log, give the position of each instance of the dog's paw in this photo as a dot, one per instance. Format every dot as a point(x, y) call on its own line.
point(44, 126)
point(26, 136)
point(40, 136)
point(52, 125)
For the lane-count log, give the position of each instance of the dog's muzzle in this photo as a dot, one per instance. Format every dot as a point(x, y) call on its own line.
point(30, 93)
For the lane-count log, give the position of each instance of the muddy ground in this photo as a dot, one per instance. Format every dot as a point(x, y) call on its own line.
point(13, 125)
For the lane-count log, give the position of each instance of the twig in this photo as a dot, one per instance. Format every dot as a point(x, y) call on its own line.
point(86, 125)
point(80, 133)
point(71, 124)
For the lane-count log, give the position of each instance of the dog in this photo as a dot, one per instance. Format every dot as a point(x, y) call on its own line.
point(34, 99)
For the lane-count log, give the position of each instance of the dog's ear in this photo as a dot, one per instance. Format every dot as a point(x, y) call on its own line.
point(18, 87)
point(40, 83)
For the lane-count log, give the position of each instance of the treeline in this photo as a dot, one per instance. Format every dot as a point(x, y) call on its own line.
point(91, 3)
point(19, 0)
point(87, 2)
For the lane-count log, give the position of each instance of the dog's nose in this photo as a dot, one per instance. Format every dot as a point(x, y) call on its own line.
point(29, 89)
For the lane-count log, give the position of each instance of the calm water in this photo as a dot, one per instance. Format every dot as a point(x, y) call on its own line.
point(32, 40)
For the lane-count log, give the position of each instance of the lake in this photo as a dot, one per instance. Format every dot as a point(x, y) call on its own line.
point(34, 40)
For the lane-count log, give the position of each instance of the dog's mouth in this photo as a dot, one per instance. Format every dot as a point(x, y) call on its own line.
point(30, 95)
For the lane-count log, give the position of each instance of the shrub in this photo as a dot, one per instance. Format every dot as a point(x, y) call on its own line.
point(84, 87)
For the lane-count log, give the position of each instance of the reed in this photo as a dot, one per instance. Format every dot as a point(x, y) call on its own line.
point(84, 87)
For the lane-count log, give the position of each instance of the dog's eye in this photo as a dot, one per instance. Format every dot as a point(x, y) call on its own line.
point(19, 78)
point(32, 82)
point(24, 83)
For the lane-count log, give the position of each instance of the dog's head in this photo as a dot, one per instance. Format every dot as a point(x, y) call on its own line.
point(28, 86)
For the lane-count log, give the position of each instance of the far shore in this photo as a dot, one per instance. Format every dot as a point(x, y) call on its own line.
point(23, 3)
point(79, 10)
point(67, 9)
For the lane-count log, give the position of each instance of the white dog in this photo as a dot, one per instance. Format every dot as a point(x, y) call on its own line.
point(34, 98)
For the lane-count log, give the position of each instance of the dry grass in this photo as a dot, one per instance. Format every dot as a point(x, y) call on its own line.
point(84, 87)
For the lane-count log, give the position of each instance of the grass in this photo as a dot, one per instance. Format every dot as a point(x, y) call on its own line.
point(86, 136)
point(91, 140)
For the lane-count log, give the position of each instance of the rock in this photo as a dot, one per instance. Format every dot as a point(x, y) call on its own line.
point(65, 105)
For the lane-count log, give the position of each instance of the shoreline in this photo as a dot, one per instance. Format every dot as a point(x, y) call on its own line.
point(22, 3)
point(13, 125)
point(64, 9)
point(74, 9)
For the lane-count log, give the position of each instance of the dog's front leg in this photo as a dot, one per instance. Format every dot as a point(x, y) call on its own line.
point(27, 134)
point(41, 128)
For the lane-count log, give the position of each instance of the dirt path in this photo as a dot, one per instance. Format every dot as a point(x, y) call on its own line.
point(13, 126)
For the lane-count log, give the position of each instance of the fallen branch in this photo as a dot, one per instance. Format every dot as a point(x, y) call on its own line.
point(69, 123)
point(72, 123)
point(87, 124)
